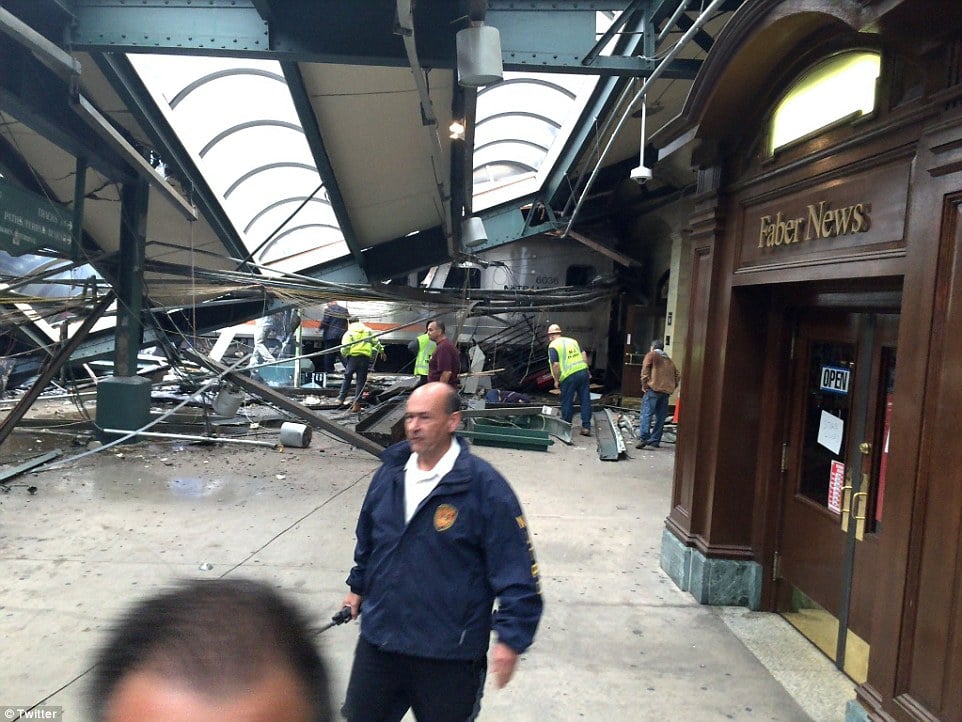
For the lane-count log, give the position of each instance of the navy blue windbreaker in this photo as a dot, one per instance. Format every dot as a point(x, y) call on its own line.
point(429, 586)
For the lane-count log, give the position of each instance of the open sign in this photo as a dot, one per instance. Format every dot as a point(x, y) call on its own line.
point(834, 380)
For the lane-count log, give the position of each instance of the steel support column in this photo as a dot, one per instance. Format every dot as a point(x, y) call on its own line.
point(79, 193)
point(130, 277)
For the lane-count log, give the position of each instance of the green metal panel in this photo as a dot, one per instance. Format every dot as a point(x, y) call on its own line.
point(567, 35)
point(486, 432)
point(29, 222)
point(150, 25)
point(554, 36)
point(507, 223)
point(123, 403)
point(529, 418)
point(507, 441)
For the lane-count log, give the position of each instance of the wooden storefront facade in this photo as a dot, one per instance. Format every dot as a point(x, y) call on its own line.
point(819, 464)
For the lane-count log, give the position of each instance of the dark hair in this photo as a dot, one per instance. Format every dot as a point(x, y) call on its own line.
point(439, 324)
point(217, 636)
point(658, 344)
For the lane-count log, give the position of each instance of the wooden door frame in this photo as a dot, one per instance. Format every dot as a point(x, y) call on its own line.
point(878, 295)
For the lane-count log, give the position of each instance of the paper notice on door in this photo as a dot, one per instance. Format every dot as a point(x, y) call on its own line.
point(835, 482)
point(830, 429)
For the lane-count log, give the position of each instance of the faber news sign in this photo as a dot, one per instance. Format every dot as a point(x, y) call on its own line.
point(820, 220)
point(29, 222)
point(846, 218)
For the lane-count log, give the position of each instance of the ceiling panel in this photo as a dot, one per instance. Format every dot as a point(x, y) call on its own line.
point(371, 123)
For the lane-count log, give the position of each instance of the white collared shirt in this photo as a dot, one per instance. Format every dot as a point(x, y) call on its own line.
point(418, 483)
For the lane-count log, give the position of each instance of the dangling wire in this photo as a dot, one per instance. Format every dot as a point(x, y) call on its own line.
point(193, 286)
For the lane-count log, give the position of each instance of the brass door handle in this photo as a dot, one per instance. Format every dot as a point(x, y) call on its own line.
point(846, 498)
point(855, 500)
point(860, 518)
point(846, 502)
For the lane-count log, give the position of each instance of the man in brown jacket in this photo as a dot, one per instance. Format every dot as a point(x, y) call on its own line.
point(659, 379)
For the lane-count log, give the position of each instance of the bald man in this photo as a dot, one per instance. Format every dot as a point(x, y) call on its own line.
point(440, 537)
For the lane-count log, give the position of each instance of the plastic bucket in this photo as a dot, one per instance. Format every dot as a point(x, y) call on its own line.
point(227, 401)
point(295, 435)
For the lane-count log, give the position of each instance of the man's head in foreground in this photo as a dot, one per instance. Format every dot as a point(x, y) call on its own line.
point(211, 651)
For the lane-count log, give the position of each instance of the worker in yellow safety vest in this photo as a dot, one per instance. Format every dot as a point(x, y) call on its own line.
point(569, 368)
point(423, 348)
point(359, 345)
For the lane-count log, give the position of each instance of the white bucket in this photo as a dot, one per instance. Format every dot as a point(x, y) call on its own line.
point(295, 435)
point(227, 401)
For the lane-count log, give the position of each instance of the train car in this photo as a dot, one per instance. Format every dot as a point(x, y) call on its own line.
point(504, 300)
point(500, 300)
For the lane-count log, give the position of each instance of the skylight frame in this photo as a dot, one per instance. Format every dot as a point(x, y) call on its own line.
point(838, 88)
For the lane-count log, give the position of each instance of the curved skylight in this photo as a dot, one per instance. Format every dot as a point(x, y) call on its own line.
point(237, 119)
point(842, 86)
point(521, 126)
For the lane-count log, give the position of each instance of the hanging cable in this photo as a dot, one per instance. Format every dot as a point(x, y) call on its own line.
point(656, 73)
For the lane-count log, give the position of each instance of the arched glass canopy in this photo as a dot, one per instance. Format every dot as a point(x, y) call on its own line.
point(237, 119)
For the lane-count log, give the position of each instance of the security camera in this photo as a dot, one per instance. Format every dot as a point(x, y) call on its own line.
point(640, 175)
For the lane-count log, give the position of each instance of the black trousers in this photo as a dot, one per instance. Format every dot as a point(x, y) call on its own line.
point(327, 360)
point(384, 685)
point(358, 365)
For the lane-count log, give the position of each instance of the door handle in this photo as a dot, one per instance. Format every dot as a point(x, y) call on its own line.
point(846, 501)
point(859, 495)
point(858, 513)
point(860, 506)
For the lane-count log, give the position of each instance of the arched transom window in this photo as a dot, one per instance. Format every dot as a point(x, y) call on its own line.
point(841, 87)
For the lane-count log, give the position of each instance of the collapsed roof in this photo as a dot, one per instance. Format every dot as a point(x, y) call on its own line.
point(236, 149)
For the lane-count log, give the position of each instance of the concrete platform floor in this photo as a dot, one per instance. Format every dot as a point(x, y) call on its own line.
point(618, 642)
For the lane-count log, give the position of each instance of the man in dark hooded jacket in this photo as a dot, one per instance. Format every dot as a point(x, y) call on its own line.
point(440, 537)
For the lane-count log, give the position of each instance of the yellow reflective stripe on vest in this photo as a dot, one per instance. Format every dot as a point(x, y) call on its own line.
point(426, 349)
point(569, 357)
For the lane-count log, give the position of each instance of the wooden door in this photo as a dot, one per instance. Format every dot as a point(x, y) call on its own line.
point(834, 479)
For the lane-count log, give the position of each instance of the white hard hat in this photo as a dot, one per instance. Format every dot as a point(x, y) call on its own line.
point(554, 328)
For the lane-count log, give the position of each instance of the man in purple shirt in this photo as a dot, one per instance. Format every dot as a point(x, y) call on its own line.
point(445, 364)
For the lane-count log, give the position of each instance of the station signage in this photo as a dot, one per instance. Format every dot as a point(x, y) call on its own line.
point(29, 222)
point(818, 220)
point(834, 380)
point(844, 218)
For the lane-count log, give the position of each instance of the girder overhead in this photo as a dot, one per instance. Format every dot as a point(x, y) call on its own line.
point(111, 86)
point(322, 161)
point(325, 31)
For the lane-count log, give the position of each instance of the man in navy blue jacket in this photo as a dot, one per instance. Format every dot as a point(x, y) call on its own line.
point(440, 537)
